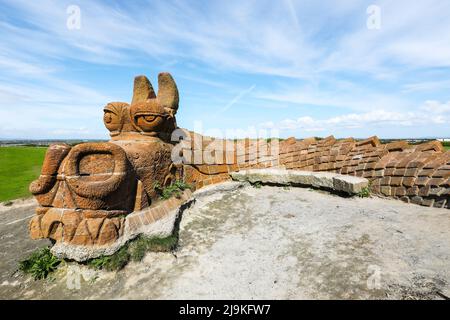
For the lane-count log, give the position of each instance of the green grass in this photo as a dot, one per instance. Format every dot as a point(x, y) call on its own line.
point(114, 262)
point(39, 264)
point(42, 262)
point(135, 250)
point(18, 167)
point(257, 184)
point(175, 189)
point(140, 246)
point(364, 193)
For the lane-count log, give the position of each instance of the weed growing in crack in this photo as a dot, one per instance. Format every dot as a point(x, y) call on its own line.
point(39, 264)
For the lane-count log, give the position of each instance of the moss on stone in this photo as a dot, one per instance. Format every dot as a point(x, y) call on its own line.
point(134, 250)
point(114, 262)
point(140, 246)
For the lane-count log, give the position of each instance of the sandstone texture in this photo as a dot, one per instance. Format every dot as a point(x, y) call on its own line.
point(154, 222)
point(418, 174)
point(86, 192)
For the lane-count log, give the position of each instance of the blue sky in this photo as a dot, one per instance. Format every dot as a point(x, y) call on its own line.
point(306, 68)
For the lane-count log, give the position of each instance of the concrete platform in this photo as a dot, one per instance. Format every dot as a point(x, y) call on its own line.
point(322, 180)
point(264, 243)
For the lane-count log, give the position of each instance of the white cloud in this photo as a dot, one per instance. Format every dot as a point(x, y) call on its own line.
point(241, 35)
point(336, 95)
point(433, 112)
point(436, 108)
point(274, 43)
point(412, 35)
point(426, 86)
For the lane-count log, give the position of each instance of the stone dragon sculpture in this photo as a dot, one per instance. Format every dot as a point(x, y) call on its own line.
point(85, 191)
point(88, 193)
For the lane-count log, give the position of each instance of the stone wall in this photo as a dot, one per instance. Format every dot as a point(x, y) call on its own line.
point(413, 173)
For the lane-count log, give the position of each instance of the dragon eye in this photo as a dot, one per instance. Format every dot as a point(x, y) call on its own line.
point(149, 118)
point(107, 117)
point(148, 122)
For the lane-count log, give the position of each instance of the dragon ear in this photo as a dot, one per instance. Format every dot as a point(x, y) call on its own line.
point(168, 93)
point(142, 90)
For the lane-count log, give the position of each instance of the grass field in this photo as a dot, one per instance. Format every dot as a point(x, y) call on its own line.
point(18, 167)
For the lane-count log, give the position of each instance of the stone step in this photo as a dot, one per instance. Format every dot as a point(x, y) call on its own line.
point(324, 180)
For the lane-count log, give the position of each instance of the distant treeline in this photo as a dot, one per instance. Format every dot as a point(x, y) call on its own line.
point(410, 141)
point(72, 142)
point(42, 143)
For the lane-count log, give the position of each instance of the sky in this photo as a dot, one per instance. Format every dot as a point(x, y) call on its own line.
point(294, 68)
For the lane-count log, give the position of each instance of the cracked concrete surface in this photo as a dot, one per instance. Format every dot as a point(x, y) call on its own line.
point(263, 243)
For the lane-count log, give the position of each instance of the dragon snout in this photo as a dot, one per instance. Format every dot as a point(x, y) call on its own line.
point(87, 176)
point(53, 158)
